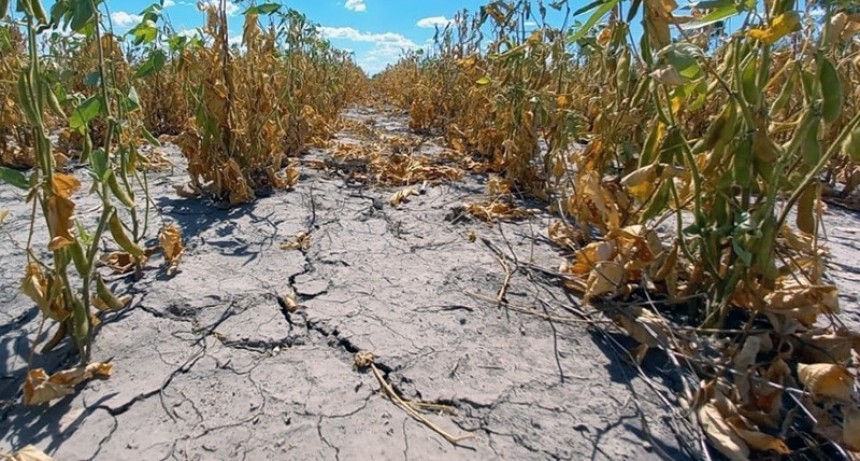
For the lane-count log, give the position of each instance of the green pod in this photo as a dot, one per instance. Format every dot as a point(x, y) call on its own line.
point(649, 150)
point(76, 249)
point(641, 91)
point(811, 147)
point(763, 256)
point(81, 325)
point(26, 101)
point(39, 11)
point(810, 85)
point(752, 94)
point(831, 91)
point(671, 150)
point(62, 332)
point(53, 102)
point(785, 94)
point(86, 148)
point(806, 209)
point(742, 163)
point(717, 129)
point(122, 238)
point(720, 213)
point(119, 192)
point(851, 145)
point(106, 295)
point(623, 73)
point(658, 203)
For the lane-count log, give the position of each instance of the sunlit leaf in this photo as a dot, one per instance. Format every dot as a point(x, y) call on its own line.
point(780, 26)
point(86, 112)
point(827, 380)
point(40, 388)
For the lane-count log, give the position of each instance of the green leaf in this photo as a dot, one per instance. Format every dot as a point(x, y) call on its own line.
point(595, 17)
point(150, 138)
point(720, 11)
point(483, 81)
point(99, 163)
point(588, 7)
point(81, 16)
point(266, 8)
point(154, 63)
point(92, 79)
point(132, 102)
point(684, 58)
point(145, 32)
point(742, 253)
point(84, 113)
point(14, 177)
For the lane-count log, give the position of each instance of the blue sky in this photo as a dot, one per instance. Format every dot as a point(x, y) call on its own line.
point(375, 30)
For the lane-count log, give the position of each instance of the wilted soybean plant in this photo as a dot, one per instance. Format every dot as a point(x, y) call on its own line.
point(63, 280)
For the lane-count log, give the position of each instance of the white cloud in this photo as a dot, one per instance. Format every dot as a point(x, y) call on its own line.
point(123, 19)
point(388, 39)
point(232, 8)
point(434, 21)
point(387, 46)
point(355, 5)
point(169, 3)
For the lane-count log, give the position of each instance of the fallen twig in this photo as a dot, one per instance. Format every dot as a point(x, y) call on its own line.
point(365, 359)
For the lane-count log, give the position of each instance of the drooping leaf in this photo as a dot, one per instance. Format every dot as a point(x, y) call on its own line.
point(721, 434)
point(85, 113)
point(598, 14)
point(154, 63)
point(14, 178)
point(780, 26)
point(40, 388)
point(827, 380)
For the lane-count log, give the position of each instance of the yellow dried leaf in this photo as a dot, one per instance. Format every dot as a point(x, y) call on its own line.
point(780, 26)
point(593, 253)
point(743, 361)
point(498, 186)
point(120, 261)
point(804, 302)
point(170, 239)
point(300, 241)
point(606, 277)
point(721, 434)
point(828, 348)
point(643, 326)
point(565, 236)
point(65, 185)
point(641, 182)
point(28, 453)
point(668, 75)
point(827, 380)
point(183, 191)
point(762, 442)
point(288, 301)
point(40, 388)
point(401, 195)
point(604, 36)
point(37, 288)
point(60, 212)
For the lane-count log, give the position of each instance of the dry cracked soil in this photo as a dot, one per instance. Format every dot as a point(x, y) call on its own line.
point(209, 365)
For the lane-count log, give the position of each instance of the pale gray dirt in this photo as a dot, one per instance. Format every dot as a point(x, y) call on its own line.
point(209, 366)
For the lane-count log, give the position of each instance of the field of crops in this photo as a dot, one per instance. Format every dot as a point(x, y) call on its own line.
point(686, 158)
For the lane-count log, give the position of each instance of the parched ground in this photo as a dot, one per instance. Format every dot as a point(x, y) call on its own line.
point(208, 364)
